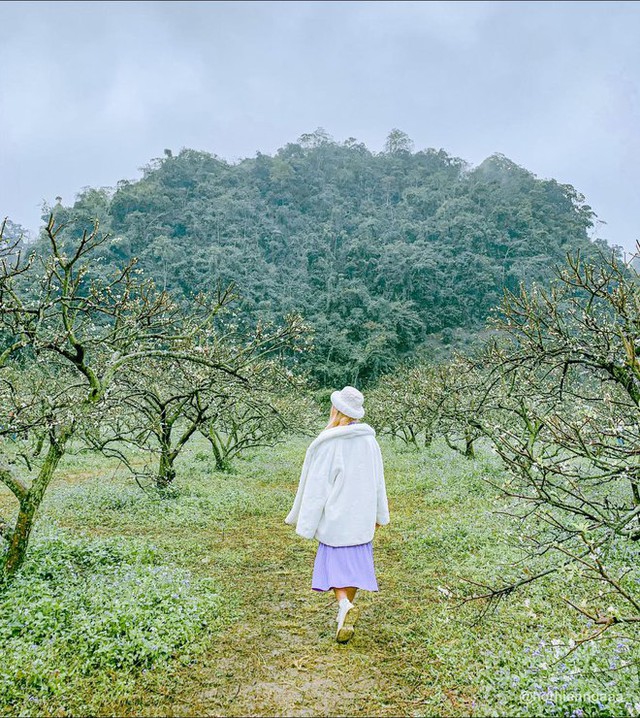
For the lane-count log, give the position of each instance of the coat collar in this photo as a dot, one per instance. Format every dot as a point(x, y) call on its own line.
point(359, 429)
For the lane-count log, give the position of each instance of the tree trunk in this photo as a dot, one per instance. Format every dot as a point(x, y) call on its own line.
point(469, 451)
point(166, 470)
point(29, 505)
point(635, 490)
point(218, 449)
point(221, 464)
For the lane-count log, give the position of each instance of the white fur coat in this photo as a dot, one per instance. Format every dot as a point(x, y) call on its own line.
point(341, 495)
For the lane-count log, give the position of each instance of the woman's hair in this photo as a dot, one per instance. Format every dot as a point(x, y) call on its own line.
point(337, 418)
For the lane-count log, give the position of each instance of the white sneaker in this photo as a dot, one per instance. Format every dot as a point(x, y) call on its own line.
point(347, 616)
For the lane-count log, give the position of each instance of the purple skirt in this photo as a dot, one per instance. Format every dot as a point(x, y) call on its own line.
point(343, 566)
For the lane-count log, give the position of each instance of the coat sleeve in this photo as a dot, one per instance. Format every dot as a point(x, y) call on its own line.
point(292, 516)
point(319, 473)
point(382, 511)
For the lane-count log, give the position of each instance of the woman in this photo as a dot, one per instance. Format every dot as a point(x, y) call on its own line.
point(341, 499)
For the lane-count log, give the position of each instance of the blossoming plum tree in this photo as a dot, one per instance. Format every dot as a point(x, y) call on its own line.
point(565, 378)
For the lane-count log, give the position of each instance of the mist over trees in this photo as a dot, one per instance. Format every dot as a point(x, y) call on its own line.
point(386, 255)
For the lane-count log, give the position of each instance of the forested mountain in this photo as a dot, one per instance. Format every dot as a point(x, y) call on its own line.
point(384, 254)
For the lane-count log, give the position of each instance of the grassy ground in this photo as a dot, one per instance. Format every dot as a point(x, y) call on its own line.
point(223, 587)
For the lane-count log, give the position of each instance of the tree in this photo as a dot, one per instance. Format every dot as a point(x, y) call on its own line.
point(41, 409)
point(398, 141)
point(67, 341)
point(155, 408)
point(422, 401)
point(218, 387)
point(407, 404)
point(463, 406)
point(565, 394)
point(262, 417)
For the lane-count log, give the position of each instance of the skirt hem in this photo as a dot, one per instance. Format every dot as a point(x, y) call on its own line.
point(360, 588)
point(344, 566)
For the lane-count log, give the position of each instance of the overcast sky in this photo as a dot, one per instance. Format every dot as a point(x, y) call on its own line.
point(91, 91)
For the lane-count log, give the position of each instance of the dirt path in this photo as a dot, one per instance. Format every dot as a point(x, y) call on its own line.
point(281, 657)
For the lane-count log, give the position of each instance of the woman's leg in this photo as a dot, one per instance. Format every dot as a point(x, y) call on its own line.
point(340, 593)
point(346, 592)
point(347, 613)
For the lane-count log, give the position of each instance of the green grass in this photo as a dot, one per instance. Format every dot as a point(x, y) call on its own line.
point(201, 603)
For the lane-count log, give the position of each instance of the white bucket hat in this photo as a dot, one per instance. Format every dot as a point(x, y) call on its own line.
point(349, 401)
